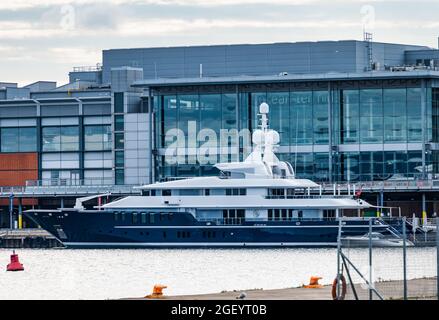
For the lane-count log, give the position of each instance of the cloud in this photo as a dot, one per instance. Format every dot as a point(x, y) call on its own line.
point(25, 4)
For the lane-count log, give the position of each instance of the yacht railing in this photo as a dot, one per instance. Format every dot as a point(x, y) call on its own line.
point(240, 221)
point(312, 196)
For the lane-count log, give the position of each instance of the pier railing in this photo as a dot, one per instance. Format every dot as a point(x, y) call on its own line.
point(75, 187)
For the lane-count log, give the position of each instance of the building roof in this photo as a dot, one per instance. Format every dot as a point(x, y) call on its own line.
point(375, 75)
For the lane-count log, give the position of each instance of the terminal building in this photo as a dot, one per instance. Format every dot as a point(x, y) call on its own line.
point(349, 113)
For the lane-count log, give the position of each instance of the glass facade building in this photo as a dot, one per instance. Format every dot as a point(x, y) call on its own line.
point(368, 130)
point(337, 124)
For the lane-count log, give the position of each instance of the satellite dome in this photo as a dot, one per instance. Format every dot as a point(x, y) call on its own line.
point(264, 108)
point(272, 137)
point(258, 137)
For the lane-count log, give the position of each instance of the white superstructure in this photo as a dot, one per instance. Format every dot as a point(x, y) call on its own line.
point(260, 187)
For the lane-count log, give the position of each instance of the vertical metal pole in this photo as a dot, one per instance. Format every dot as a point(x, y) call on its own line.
point(338, 258)
point(381, 202)
point(378, 205)
point(437, 257)
point(424, 125)
point(370, 259)
point(404, 255)
point(330, 130)
point(11, 209)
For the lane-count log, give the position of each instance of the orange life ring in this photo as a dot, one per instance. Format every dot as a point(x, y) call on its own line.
point(343, 288)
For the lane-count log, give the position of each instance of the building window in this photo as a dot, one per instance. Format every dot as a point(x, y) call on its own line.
point(119, 159)
point(97, 138)
point(118, 102)
point(120, 176)
point(60, 139)
point(18, 139)
point(119, 142)
point(119, 123)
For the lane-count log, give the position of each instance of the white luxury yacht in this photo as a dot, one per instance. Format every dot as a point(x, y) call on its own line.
point(254, 203)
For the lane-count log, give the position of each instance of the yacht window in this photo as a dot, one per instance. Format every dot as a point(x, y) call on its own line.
point(146, 193)
point(284, 214)
point(277, 192)
point(143, 217)
point(270, 214)
point(170, 216)
point(290, 214)
point(290, 192)
point(116, 216)
point(189, 192)
point(153, 193)
point(207, 192)
point(166, 193)
point(300, 214)
point(134, 218)
point(151, 217)
point(236, 192)
point(276, 214)
point(122, 216)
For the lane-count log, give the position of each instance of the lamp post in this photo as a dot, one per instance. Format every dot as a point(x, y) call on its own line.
point(11, 211)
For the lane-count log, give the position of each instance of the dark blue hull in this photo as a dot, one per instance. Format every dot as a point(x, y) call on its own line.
point(98, 229)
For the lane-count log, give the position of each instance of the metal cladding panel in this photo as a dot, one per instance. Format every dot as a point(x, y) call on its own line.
point(17, 168)
point(18, 161)
point(14, 178)
point(257, 59)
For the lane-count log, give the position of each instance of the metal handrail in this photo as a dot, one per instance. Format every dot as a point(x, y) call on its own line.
point(237, 221)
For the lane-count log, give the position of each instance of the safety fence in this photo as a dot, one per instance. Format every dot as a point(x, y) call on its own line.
point(394, 264)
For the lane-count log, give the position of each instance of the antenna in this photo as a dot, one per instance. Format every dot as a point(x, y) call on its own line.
point(369, 58)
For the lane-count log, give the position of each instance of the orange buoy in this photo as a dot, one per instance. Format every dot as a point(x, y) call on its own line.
point(314, 283)
point(15, 264)
point(157, 292)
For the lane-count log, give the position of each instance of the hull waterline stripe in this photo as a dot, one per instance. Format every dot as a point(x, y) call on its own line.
point(242, 227)
point(197, 244)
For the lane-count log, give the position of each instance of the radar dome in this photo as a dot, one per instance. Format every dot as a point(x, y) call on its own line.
point(272, 137)
point(258, 137)
point(264, 108)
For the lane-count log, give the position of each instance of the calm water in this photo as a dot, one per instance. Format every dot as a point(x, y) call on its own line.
point(104, 274)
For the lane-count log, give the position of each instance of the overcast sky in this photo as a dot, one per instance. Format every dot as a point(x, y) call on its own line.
point(45, 39)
